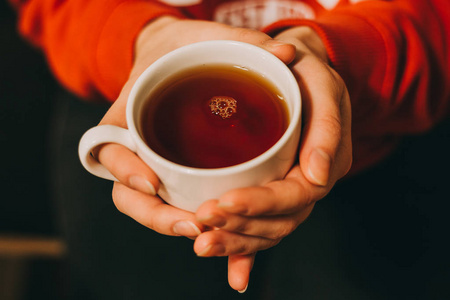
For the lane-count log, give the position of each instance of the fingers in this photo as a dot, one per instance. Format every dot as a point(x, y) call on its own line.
point(271, 227)
point(239, 267)
point(129, 169)
point(197, 31)
point(255, 218)
point(225, 243)
point(154, 213)
point(284, 51)
point(283, 197)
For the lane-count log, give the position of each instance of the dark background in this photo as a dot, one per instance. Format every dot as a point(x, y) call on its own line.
point(26, 93)
point(26, 209)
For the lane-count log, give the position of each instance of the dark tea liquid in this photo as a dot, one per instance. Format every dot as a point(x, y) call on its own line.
point(183, 125)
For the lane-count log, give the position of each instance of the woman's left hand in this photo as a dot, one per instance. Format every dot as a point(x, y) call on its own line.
point(251, 219)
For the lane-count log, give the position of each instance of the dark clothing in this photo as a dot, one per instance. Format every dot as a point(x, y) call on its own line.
point(379, 235)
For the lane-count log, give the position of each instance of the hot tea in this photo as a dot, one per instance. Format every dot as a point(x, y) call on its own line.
point(214, 116)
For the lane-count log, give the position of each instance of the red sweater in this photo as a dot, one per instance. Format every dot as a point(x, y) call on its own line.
point(393, 55)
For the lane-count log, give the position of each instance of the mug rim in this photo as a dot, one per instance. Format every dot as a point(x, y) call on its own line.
point(258, 160)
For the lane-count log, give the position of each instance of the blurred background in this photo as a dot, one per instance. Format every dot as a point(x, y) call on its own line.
point(402, 205)
point(32, 256)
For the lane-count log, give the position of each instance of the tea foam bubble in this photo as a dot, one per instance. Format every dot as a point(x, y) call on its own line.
point(223, 106)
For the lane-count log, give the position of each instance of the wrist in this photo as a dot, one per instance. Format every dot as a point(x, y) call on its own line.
point(151, 29)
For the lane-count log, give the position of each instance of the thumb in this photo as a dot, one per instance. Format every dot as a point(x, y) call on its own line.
point(283, 50)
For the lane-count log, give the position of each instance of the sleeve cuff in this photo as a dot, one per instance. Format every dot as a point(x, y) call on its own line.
point(115, 49)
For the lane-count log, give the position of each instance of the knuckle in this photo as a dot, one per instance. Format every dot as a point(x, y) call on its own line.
point(245, 34)
point(338, 84)
point(260, 244)
point(283, 230)
point(279, 234)
point(244, 249)
point(332, 124)
point(241, 228)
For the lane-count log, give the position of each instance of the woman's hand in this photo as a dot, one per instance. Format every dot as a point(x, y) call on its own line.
point(135, 193)
point(256, 218)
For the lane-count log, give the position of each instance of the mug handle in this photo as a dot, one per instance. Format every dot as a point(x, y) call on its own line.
point(97, 136)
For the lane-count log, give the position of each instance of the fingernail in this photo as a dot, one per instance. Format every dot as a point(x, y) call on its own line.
point(205, 251)
point(225, 204)
point(275, 43)
point(232, 207)
point(142, 184)
point(186, 228)
point(213, 249)
point(319, 167)
point(213, 220)
point(243, 290)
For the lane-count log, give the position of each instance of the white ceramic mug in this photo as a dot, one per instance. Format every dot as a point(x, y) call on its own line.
point(186, 187)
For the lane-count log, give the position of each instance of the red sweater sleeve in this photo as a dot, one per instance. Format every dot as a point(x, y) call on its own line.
point(88, 43)
point(395, 59)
